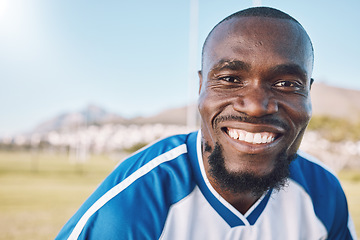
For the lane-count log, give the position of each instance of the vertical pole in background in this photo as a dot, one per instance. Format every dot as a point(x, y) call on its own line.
point(192, 81)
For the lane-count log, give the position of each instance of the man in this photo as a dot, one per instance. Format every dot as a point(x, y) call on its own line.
point(241, 176)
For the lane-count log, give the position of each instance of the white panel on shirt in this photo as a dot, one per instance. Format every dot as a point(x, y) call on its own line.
point(288, 215)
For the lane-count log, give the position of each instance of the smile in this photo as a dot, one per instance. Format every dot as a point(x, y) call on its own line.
point(249, 137)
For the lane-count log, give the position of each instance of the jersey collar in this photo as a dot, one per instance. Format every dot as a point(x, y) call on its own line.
point(231, 215)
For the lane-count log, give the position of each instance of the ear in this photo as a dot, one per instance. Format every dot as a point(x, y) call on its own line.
point(311, 82)
point(200, 80)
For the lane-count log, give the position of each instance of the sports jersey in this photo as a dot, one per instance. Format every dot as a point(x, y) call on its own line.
point(162, 192)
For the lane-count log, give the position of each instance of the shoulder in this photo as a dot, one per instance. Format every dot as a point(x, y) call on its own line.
point(316, 179)
point(311, 173)
point(325, 191)
point(143, 163)
point(161, 151)
point(147, 183)
point(148, 173)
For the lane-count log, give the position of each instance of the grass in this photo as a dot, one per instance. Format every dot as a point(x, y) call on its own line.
point(40, 192)
point(335, 129)
point(350, 180)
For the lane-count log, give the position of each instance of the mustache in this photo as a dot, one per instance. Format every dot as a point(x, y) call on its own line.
point(269, 120)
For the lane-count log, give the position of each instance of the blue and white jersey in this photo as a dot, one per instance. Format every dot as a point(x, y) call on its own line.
point(162, 192)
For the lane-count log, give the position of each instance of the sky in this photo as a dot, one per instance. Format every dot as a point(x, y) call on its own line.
point(137, 57)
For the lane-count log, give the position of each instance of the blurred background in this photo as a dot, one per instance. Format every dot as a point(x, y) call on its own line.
point(85, 83)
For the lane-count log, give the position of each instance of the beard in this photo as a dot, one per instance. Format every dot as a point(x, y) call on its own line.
point(248, 182)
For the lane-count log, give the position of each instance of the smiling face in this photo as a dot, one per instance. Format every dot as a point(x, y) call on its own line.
point(254, 92)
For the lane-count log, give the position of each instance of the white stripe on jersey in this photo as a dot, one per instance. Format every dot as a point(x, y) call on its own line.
point(316, 161)
point(165, 157)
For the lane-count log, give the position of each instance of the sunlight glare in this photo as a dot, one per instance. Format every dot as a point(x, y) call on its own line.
point(3, 8)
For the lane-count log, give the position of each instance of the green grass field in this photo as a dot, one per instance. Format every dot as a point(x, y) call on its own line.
point(40, 192)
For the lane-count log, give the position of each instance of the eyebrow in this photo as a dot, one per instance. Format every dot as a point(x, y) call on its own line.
point(292, 69)
point(230, 65)
point(234, 65)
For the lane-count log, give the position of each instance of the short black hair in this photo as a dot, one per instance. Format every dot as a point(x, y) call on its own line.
point(260, 12)
point(255, 12)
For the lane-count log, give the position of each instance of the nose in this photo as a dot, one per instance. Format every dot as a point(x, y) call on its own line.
point(256, 101)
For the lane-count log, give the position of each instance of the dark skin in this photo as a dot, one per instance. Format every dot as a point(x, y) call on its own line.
point(254, 68)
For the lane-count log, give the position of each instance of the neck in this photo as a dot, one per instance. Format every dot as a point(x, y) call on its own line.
point(240, 201)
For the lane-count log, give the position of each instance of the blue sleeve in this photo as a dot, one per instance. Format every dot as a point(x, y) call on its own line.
point(339, 228)
point(330, 204)
point(134, 200)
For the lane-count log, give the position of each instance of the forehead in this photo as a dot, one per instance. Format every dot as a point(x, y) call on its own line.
point(258, 38)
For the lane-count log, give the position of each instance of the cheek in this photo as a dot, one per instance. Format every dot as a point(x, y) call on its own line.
point(211, 101)
point(203, 107)
point(299, 115)
point(302, 114)
point(206, 109)
point(298, 110)
point(210, 106)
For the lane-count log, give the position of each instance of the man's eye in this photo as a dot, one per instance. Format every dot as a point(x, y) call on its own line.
point(231, 79)
point(288, 84)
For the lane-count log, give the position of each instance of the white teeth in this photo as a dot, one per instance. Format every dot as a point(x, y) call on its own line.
point(236, 135)
point(249, 137)
point(254, 138)
point(257, 138)
point(232, 133)
point(242, 136)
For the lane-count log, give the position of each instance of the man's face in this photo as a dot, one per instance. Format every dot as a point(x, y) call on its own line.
point(254, 92)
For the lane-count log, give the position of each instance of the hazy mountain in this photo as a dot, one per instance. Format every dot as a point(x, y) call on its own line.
point(335, 101)
point(88, 116)
point(170, 116)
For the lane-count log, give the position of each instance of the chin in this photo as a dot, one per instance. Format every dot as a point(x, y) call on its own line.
point(258, 165)
point(249, 177)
